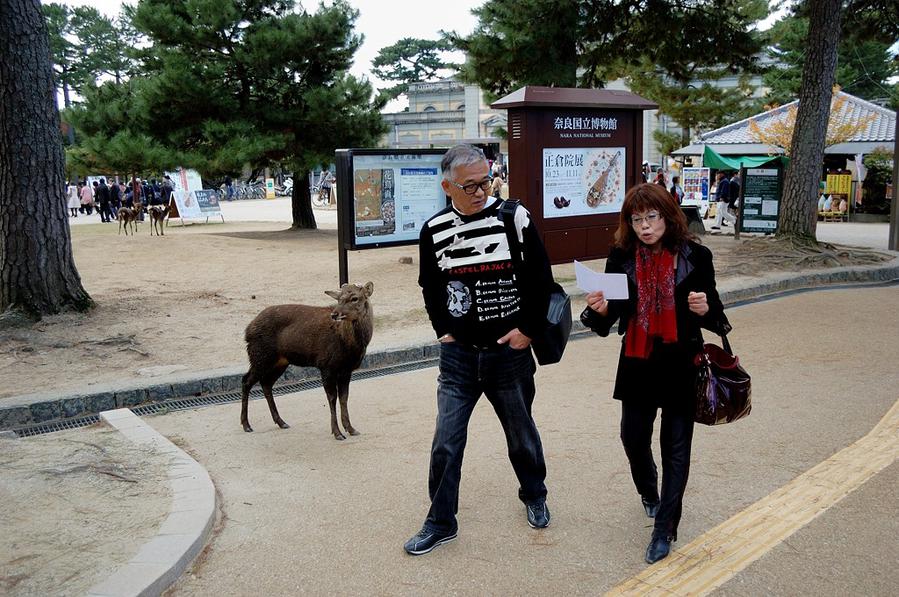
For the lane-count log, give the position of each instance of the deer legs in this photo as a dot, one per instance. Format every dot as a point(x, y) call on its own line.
point(249, 380)
point(338, 387)
point(343, 386)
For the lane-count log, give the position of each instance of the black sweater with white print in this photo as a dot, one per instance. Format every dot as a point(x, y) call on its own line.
point(470, 287)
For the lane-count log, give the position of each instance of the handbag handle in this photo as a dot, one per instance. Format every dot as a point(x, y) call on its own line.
point(725, 343)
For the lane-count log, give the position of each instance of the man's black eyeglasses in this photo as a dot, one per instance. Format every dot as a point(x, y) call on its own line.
point(472, 188)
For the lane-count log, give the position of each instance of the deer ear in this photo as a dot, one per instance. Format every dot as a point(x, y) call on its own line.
point(333, 294)
point(368, 289)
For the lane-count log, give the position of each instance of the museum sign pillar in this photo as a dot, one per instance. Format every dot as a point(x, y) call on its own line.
point(572, 155)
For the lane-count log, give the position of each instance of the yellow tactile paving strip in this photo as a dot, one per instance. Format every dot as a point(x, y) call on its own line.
point(716, 556)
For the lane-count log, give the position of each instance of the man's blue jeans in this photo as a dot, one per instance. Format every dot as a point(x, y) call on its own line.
point(506, 377)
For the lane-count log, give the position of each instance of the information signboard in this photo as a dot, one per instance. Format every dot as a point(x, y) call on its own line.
point(385, 196)
point(760, 207)
point(208, 201)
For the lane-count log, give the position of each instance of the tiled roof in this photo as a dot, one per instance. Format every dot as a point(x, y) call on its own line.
point(882, 126)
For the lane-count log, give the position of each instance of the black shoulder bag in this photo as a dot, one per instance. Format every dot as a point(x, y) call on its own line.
point(550, 344)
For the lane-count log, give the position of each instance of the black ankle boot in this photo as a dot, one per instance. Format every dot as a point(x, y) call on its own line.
point(659, 548)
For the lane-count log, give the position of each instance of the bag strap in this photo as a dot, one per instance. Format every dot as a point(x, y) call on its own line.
point(725, 343)
point(507, 217)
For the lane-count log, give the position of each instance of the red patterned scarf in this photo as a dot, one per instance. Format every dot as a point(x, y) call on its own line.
point(655, 317)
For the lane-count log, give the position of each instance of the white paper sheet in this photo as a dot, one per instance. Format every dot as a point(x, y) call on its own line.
point(613, 286)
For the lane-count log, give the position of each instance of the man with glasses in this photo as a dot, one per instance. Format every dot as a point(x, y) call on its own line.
point(485, 309)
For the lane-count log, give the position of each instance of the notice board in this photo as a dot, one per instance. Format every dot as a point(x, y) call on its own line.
point(760, 206)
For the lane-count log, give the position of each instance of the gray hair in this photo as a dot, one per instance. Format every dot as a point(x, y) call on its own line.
point(460, 155)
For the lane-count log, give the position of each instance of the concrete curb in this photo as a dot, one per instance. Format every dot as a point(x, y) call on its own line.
point(32, 409)
point(182, 535)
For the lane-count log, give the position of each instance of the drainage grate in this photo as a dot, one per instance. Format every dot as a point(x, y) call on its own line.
point(221, 398)
point(42, 428)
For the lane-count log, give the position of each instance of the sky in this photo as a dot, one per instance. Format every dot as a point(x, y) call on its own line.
point(382, 23)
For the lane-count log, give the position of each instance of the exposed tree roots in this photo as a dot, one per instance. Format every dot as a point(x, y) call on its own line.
point(760, 255)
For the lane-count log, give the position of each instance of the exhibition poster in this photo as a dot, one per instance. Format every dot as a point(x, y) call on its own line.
point(185, 182)
point(393, 195)
point(582, 181)
point(696, 185)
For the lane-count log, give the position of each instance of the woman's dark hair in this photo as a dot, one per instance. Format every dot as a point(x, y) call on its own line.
point(646, 197)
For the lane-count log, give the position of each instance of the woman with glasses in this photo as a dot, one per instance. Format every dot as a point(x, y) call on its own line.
point(671, 286)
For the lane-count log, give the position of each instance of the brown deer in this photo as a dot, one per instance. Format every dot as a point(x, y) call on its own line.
point(333, 339)
point(158, 214)
point(126, 216)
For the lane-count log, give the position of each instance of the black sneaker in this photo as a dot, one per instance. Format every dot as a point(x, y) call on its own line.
point(538, 514)
point(426, 540)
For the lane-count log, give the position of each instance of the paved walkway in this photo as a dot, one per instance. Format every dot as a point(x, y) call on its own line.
point(304, 513)
point(797, 499)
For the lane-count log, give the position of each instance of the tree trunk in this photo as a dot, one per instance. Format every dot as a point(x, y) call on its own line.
point(799, 209)
point(893, 240)
point(37, 270)
point(67, 103)
point(301, 203)
point(66, 100)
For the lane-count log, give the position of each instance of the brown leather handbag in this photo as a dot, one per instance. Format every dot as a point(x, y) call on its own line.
point(723, 387)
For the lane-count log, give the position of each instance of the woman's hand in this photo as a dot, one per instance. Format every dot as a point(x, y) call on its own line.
point(597, 301)
point(698, 303)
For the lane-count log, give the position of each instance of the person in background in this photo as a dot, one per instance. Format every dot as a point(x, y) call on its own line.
point(73, 201)
point(460, 280)
point(102, 195)
point(496, 187)
point(722, 196)
point(671, 295)
point(87, 198)
point(676, 190)
point(166, 190)
point(325, 192)
point(229, 189)
point(115, 198)
point(660, 178)
point(734, 194)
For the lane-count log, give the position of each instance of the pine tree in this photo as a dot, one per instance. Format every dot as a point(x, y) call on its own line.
point(233, 83)
point(568, 43)
point(864, 66)
point(411, 60)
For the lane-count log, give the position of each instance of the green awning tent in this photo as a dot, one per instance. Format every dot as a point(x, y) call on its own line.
point(714, 160)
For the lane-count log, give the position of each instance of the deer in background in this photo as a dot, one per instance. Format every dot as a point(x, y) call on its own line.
point(126, 216)
point(333, 339)
point(158, 214)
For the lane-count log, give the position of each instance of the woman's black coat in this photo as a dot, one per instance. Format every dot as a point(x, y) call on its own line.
point(667, 378)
